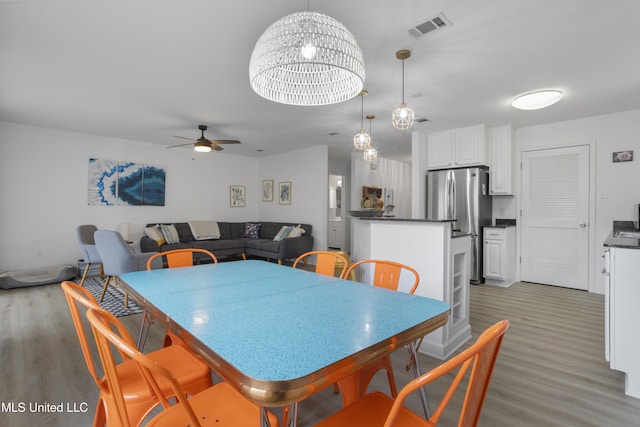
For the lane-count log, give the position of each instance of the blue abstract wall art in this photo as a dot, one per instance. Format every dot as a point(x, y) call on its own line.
point(125, 184)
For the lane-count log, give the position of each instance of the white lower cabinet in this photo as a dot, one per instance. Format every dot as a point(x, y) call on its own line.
point(336, 235)
point(623, 315)
point(499, 255)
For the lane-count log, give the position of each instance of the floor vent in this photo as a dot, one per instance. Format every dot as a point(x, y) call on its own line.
point(433, 24)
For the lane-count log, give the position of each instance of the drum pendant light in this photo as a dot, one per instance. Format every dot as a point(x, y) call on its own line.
point(402, 118)
point(307, 58)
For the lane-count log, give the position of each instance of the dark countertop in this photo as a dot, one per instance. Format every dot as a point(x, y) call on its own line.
point(622, 242)
point(383, 218)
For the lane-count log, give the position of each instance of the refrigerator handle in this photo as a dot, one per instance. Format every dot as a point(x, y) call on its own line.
point(471, 187)
point(451, 181)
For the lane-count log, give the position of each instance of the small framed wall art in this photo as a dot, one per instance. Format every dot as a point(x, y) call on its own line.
point(284, 191)
point(267, 190)
point(237, 196)
point(622, 156)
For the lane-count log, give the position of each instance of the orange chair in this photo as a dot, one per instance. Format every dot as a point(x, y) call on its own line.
point(326, 262)
point(181, 257)
point(192, 372)
point(175, 258)
point(378, 410)
point(386, 274)
point(219, 404)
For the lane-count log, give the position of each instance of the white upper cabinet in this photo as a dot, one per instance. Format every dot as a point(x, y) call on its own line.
point(501, 176)
point(457, 148)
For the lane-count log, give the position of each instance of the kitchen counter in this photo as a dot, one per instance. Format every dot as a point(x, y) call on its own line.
point(615, 241)
point(393, 218)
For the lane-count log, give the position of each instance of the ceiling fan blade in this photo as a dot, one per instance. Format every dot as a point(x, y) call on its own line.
point(216, 147)
point(183, 137)
point(181, 145)
point(225, 141)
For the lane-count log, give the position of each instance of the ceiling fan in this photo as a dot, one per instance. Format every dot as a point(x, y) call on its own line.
point(204, 145)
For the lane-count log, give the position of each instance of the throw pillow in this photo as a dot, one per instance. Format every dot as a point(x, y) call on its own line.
point(296, 232)
point(283, 233)
point(154, 233)
point(170, 233)
point(251, 230)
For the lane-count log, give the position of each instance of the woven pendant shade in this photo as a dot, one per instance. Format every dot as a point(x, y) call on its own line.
point(307, 58)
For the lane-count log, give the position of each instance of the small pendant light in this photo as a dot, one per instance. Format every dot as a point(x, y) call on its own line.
point(402, 118)
point(362, 139)
point(370, 154)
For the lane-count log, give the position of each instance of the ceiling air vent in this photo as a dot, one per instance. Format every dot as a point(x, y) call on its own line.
point(433, 24)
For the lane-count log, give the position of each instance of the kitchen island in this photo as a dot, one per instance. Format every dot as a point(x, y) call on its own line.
point(442, 260)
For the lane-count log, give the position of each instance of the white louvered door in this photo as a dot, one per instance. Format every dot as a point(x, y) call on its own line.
point(555, 214)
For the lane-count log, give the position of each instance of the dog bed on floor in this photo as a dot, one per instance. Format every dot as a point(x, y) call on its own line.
point(36, 276)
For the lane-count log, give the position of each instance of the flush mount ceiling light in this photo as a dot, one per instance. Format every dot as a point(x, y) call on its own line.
point(362, 139)
point(370, 154)
point(402, 118)
point(307, 58)
point(537, 100)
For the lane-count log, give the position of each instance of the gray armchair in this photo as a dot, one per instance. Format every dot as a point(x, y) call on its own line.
point(118, 258)
point(89, 252)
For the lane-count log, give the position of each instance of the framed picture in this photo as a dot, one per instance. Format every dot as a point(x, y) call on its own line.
point(267, 190)
point(237, 196)
point(623, 156)
point(284, 192)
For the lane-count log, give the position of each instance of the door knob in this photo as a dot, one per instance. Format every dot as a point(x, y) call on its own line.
point(583, 225)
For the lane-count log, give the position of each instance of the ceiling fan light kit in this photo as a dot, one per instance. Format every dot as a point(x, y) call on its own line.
point(403, 117)
point(307, 58)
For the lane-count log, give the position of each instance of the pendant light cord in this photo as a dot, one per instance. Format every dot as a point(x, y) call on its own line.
point(403, 81)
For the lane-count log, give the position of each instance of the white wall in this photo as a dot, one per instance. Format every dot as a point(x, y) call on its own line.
point(308, 172)
point(617, 185)
point(391, 174)
point(43, 191)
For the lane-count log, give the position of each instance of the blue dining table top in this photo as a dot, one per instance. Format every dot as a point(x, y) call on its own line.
point(269, 325)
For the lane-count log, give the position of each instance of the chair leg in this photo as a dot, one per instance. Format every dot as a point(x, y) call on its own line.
point(126, 294)
point(85, 273)
point(104, 290)
point(101, 271)
point(244, 256)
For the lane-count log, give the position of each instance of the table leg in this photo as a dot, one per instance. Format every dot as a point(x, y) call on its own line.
point(413, 350)
point(147, 320)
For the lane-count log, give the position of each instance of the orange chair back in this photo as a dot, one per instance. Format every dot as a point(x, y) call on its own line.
point(326, 262)
point(110, 334)
point(76, 296)
point(482, 355)
point(373, 408)
point(386, 274)
point(180, 257)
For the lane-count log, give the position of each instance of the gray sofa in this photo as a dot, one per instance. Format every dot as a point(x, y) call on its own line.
point(231, 242)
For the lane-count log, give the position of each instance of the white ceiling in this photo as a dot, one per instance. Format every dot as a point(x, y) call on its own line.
point(148, 70)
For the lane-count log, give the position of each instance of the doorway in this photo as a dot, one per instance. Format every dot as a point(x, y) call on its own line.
point(336, 226)
point(555, 216)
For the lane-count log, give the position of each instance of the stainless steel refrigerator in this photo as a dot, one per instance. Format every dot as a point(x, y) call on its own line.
point(463, 195)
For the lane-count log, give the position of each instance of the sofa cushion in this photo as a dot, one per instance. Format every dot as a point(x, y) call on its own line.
point(296, 232)
point(251, 230)
point(170, 233)
point(184, 232)
point(283, 233)
point(154, 233)
point(213, 245)
point(264, 245)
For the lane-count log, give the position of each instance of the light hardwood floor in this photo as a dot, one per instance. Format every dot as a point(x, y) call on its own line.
point(551, 370)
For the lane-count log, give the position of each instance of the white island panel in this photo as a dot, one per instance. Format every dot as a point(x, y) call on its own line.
point(441, 262)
